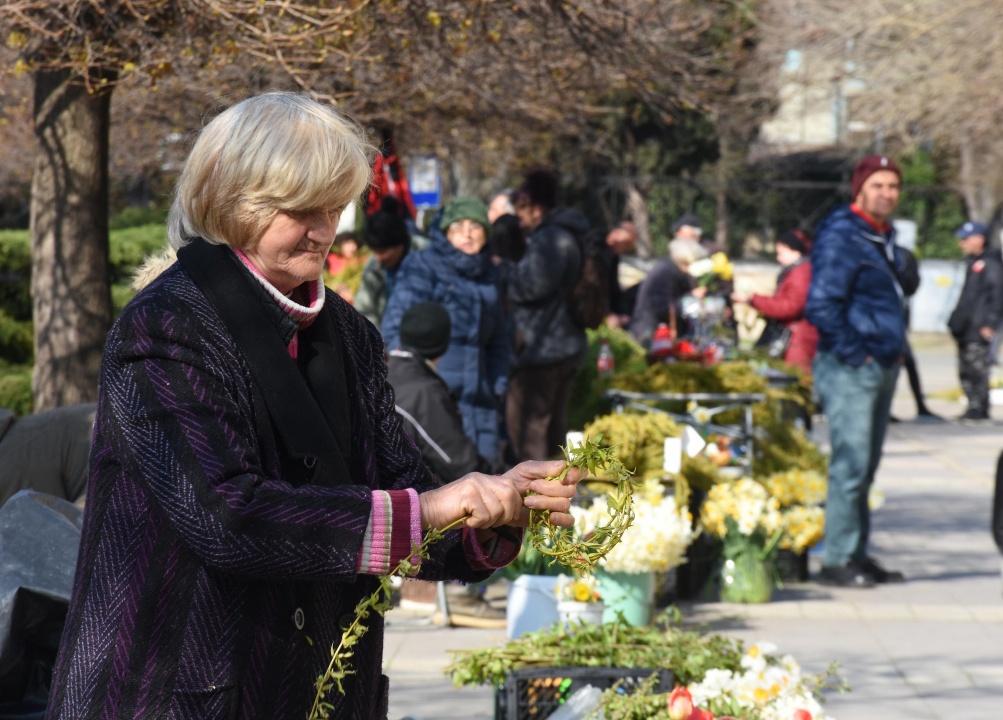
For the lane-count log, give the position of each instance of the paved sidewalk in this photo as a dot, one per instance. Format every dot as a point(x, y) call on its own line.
point(929, 649)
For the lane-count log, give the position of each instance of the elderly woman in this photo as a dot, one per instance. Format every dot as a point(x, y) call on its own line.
point(785, 308)
point(249, 476)
point(456, 271)
point(664, 286)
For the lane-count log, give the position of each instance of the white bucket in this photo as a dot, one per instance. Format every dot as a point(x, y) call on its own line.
point(532, 604)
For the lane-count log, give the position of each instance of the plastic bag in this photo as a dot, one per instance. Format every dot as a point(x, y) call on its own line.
point(580, 705)
point(39, 540)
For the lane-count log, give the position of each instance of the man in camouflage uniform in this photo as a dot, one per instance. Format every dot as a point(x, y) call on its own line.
point(976, 317)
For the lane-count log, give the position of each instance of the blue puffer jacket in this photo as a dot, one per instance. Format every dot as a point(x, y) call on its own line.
point(856, 298)
point(475, 367)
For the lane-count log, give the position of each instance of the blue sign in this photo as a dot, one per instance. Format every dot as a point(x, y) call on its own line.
point(425, 181)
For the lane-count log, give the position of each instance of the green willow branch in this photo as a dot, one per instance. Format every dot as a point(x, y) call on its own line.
point(378, 601)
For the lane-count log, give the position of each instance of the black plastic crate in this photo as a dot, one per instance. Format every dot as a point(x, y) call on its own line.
point(535, 693)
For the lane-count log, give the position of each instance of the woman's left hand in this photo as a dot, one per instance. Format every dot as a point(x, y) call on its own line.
point(552, 495)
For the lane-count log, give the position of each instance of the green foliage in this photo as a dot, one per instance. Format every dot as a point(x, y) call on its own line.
point(15, 273)
point(688, 654)
point(587, 387)
point(129, 246)
point(134, 216)
point(779, 444)
point(16, 339)
point(15, 388)
point(936, 211)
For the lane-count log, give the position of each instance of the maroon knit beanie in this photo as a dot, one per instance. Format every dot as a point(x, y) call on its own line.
point(868, 165)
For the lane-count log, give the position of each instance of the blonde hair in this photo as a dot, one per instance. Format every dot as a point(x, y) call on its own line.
point(276, 152)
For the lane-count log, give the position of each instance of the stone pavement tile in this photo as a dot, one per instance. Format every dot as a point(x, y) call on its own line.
point(943, 613)
point(423, 700)
point(886, 611)
point(987, 613)
point(831, 610)
point(971, 705)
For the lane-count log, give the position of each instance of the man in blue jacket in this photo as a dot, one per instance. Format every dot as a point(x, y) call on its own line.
point(856, 302)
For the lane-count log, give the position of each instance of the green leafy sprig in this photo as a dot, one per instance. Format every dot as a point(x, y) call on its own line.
point(582, 554)
point(379, 602)
point(688, 653)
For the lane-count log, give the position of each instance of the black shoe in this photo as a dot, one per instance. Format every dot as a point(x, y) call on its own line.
point(928, 417)
point(893, 419)
point(850, 575)
point(880, 574)
point(974, 416)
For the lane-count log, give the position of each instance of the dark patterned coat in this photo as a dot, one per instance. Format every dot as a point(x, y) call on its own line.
point(227, 506)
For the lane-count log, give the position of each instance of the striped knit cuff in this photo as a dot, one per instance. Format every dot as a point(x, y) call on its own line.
point(394, 527)
point(496, 553)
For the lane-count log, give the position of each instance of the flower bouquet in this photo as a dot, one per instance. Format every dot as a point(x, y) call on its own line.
point(657, 539)
point(800, 494)
point(747, 520)
point(578, 600)
point(766, 688)
point(655, 542)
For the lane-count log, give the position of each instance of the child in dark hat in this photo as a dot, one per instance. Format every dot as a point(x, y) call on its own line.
point(429, 412)
point(432, 420)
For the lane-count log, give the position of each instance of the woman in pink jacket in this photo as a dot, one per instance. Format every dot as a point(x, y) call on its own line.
point(787, 304)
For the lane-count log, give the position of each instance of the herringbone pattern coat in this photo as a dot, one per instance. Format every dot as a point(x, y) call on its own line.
point(208, 585)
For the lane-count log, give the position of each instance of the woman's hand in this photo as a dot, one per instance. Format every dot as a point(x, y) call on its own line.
point(493, 500)
point(550, 495)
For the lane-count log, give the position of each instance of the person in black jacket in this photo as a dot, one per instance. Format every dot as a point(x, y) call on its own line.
point(430, 415)
point(549, 344)
point(46, 451)
point(974, 321)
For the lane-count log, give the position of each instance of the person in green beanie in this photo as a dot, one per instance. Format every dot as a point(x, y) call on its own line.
point(456, 271)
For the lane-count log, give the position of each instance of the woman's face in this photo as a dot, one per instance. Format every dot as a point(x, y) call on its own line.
point(467, 236)
point(293, 248)
point(786, 256)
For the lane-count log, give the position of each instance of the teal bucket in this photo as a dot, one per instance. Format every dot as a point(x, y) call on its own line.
point(630, 594)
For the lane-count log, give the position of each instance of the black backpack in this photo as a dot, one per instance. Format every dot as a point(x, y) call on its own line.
point(588, 301)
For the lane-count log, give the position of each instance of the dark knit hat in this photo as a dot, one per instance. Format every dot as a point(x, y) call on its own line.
point(867, 166)
point(385, 230)
point(796, 240)
point(425, 329)
point(539, 188)
point(466, 208)
point(687, 220)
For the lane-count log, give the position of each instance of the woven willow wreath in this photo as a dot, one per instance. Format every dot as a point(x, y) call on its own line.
point(562, 544)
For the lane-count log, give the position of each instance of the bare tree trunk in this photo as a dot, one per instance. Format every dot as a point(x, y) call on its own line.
point(637, 211)
point(966, 175)
point(71, 295)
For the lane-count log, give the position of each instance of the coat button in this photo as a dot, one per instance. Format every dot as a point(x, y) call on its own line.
point(299, 619)
point(309, 461)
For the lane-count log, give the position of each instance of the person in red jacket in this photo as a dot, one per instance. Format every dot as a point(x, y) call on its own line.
point(787, 304)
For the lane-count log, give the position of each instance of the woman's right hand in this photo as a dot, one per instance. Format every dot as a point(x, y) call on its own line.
point(485, 500)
